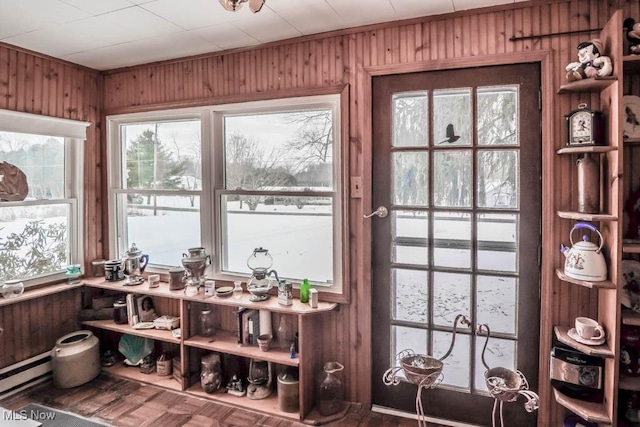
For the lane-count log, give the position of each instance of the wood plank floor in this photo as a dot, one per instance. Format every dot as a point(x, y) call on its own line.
point(125, 403)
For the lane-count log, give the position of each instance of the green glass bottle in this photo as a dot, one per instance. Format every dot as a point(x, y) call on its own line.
point(304, 291)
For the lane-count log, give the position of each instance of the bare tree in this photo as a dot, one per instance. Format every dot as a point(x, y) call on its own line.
point(314, 140)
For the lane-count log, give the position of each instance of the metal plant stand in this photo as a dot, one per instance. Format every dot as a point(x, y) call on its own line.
point(506, 385)
point(422, 370)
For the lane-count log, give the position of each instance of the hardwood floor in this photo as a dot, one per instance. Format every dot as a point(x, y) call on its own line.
point(125, 403)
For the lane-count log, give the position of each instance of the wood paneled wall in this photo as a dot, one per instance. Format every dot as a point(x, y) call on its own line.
point(32, 83)
point(474, 38)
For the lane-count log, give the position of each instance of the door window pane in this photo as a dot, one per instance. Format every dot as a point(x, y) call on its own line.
point(497, 236)
point(410, 119)
point(411, 295)
point(497, 179)
point(452, 124)
point(496, 303)
point(497, 115)
point(451, 296)
point(452, 178)
point(452, 239)
point(410, 184)
point(456, 365)
point(410, 229)
point(405, 338)
point(499, 353)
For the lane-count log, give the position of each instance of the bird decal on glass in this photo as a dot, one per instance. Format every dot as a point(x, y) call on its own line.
point(450, 134)
point(631, 117)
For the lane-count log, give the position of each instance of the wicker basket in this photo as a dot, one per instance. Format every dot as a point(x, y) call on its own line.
point(418, 367)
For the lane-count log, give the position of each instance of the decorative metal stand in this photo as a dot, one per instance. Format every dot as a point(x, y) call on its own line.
point(506, 385)
point(422, 370)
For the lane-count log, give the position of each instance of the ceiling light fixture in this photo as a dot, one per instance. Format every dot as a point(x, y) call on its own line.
point(233, 5)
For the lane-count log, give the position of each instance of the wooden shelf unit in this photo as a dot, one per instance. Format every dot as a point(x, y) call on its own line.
point(604, 284)
point(593, 350)
point(589, 411)
point(225, 342)
point(609, 90)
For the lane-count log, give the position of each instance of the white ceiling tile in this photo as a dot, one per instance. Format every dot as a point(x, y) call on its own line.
point(97, 7)
point(315, 17)
point(133, 23)
point(363, 12)
point(226, 36)
point(266, 26)
point(55, 41)
point(21, 16)
point(406, 9)
point(191, 14)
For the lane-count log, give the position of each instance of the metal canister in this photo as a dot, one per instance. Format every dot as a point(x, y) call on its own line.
point(113, 270)
point(285, 293)
point(588, 184)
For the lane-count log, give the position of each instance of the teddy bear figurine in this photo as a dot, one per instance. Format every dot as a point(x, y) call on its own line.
point(632, 28)
point(591, 62)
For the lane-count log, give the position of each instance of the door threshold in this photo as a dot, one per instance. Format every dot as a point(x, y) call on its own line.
point(397, 413)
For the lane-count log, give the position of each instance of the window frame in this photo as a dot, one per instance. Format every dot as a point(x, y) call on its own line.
point(213, 179)
point(73, 133)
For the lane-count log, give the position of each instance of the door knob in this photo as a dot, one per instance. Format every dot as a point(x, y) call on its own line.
point(381, 212)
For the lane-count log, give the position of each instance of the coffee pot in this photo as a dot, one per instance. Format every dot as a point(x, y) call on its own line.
point(133, 265)
point(195, 264)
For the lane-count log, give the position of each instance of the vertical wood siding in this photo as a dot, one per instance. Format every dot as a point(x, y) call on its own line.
point(39, 85)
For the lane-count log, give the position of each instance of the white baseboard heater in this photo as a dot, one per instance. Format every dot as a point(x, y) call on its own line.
point(25, 374)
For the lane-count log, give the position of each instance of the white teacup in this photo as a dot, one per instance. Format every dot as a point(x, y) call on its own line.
point(589, 329)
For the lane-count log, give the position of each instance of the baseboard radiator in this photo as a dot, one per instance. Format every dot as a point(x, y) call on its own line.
point(25, 374)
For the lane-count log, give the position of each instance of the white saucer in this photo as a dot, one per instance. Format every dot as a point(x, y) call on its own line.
point(574, 336)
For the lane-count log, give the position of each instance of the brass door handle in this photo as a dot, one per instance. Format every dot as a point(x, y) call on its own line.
point(381, 212)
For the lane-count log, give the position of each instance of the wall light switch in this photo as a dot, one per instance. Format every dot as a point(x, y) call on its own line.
point(356, 187)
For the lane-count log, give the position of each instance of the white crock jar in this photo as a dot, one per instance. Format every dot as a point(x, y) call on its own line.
point(75, 359)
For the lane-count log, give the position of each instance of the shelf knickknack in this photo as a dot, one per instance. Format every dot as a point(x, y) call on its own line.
point(13, 183)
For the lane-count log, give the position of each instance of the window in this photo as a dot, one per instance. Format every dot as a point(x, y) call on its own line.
point(41, 223)
point(232, 178)
point(156, 177)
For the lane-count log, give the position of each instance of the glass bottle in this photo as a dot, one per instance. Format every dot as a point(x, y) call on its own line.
point(283, 333)
point(207, 327)
point(210, 373)
point(304, 291)
point(329, 389)
point(237, 290)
